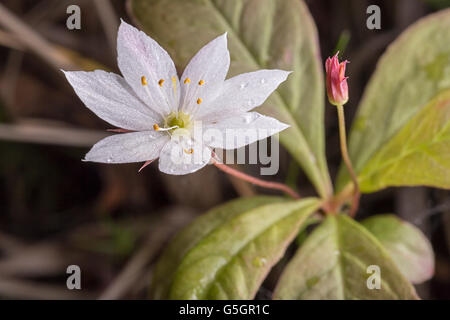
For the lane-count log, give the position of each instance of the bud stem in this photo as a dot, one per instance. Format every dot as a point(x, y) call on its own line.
point(256, 181)
point(348, 163)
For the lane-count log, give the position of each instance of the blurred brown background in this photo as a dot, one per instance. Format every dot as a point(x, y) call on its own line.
point(56, 210)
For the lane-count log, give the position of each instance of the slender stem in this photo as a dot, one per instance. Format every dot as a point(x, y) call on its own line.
point(348, 163)
point(256, 181)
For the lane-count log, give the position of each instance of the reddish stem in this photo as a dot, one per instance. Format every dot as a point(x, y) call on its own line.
point(256, 181)
point(347, 161)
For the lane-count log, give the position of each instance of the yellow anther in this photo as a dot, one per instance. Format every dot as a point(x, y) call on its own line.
point(160, 82)
point(199, 100)
point(144, 81)
point(201, 82)
point(187, 80)
point(155, 127)
point(189, 151)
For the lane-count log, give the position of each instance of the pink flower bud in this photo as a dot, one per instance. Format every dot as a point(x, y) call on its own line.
point(337, 88)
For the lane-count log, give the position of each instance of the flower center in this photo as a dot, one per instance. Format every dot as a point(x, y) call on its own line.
point(178, 120)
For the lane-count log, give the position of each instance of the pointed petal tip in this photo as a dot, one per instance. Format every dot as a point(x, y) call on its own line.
point(123, 23)
point(88, 156)
point(223, 37)
point(66, 73)
point(125, 26)
point(282, 126)
point(70, 75)
point(286, 73)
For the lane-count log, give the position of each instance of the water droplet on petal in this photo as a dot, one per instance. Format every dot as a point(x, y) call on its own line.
point(259, 262)
point(244, 85)
point(109, 160)
point(263, 81)
point(248, 118)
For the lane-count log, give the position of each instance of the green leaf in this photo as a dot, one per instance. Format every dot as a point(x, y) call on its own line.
point(407, 245)
point(262, 34)
point(227, 253)
point(414, 69)
point(417, 155)
point(186, 239)
point(332, 264)
point(438, 4)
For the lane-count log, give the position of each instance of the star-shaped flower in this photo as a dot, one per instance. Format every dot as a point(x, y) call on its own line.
point(157, 112)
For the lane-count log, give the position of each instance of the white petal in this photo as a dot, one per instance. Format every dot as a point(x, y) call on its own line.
point(110, 97)
point(210, 65)
point(243, 93)
point(183, 156)
point(139, 55)
point(128, 147)
point(239, 131)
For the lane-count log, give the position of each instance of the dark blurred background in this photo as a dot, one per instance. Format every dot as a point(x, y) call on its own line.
point(56, 210)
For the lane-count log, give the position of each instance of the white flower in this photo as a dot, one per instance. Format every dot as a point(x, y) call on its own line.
point(157, 110)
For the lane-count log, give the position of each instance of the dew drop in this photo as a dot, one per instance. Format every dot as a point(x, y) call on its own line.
point(248, 118)
point(263, 81)
point(109, 160)
point(244, 85)
point(259, 262)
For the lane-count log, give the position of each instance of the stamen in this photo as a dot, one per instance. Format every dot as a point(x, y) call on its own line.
point(201, 82)
point(199, 100)
point(144, 81)
point(174, 81)
point(187, 80)
point(160, 82)
point(189, 151)
point(158, 128)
